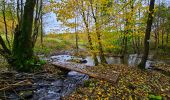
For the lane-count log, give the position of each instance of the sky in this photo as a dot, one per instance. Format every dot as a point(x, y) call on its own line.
point(51, 25)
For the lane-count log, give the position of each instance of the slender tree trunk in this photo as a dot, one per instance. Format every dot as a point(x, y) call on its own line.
point(163, 30)
point(138, 44)
point(126, 32)
point(37, 21)
point(5, 23)
point(97, 29)
point(124, 43)
point(147, 35)
point(92, 49)
point(156, 35)
point(86, 22)
point(91, 45)
point(22, 11)
point(18, 13)
point(13, 20)
point(76, 33)
point(167, 39)
point(138, 38)
point(158, 25)
point(101, 53)
point(162, 38)
point(41, 26)
point(133, 43)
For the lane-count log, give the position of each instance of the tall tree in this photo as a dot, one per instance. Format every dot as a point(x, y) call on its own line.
point(85, 17)
point(21, 54)
point(23, 48)
point(147, 35)
point(76, 33)
point(95, 15)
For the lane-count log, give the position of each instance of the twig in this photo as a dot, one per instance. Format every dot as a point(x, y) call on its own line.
point(21, 83)
point(16, 93)
point(5, 94)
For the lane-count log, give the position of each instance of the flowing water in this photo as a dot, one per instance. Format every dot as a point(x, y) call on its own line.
point(64, 86)
point(60, 87)
point(74, 79)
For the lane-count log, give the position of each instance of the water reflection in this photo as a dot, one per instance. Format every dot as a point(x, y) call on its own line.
point(132, 59)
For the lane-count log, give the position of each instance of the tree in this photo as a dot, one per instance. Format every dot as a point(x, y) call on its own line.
point(161, 25)
point(72, 9)
point(21, 54)
point(147, 35)
point(67, 12)
point(85, 17)
point(95, 15)
point(23, 48)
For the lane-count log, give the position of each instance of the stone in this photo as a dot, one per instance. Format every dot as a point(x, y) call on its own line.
point(58, 83)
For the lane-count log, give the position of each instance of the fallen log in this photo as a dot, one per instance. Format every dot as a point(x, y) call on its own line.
point(82, 69)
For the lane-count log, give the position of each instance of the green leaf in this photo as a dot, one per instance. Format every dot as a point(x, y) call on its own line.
point(151, 96)
point(158, 97)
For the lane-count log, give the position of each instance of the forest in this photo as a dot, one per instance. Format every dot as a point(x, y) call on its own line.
point(84, 50)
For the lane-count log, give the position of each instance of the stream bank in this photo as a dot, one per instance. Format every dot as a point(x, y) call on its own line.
point(50, 85)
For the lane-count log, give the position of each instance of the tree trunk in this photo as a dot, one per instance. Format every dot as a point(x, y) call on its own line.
point(41, 22)
point(37, 21)
point(167, 39)
point(126, 32)
point(147, 35)
point(89, 36)
point(5, 23)
point(5, 50)
point(76, 33)
point(18, 10)
point(163, 30)
point(23, 48)
point(163, 38)
point(97, 28)
point(101, 53)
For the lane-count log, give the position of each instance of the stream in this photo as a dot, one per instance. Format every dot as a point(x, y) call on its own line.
point(57, 88)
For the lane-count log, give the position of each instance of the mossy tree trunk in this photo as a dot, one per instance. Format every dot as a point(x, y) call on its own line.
point(101, 52)
point(22, 45)
point(21, 56)
point(95, 16)
point(86, 20)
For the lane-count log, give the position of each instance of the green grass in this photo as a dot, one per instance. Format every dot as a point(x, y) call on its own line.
point(111, 43)
point(3, 64)
point(51, 44)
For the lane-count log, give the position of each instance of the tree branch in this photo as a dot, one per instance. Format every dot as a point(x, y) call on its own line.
point(5, 24)
point(37, 21)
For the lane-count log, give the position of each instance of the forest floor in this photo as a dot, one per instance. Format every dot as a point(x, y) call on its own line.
point(132, 84)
